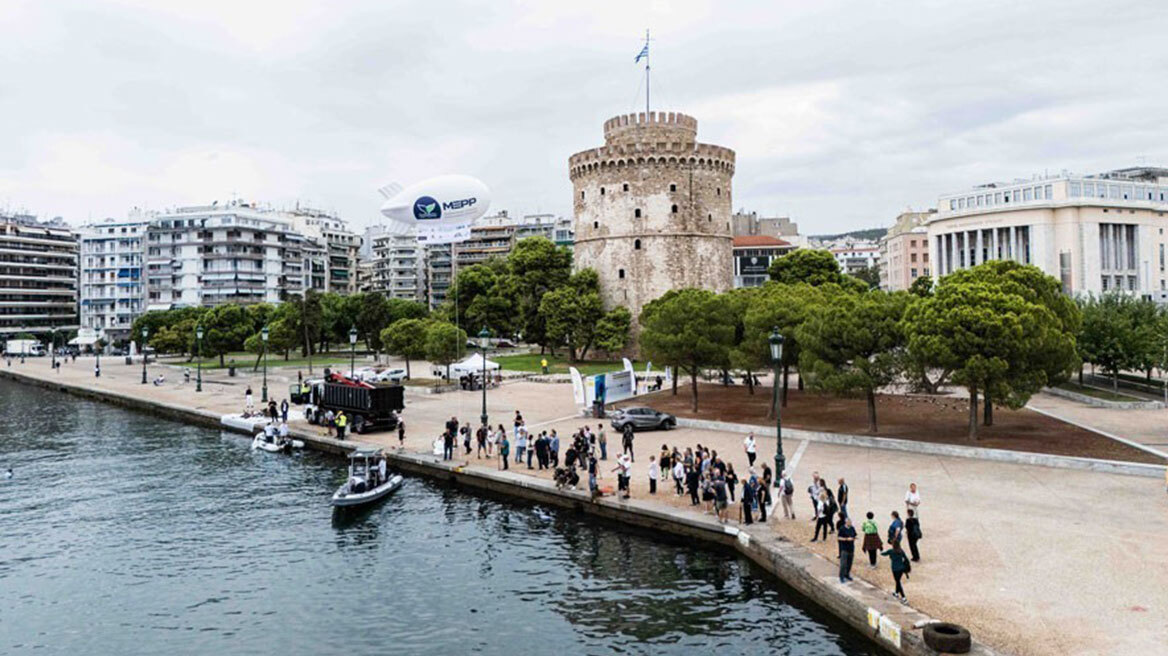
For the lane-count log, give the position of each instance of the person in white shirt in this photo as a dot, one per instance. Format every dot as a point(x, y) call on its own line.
point(284, 429)
point(751, 448)
point(654, 474)
point(787, 495)
point(678, 475)
point(382, 467)
point(912, 500)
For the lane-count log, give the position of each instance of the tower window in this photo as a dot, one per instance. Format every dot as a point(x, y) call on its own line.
point(602, 191)
point(621, 274)
point(595, 225)
point(673, 209)
point(672, 187)
point(719, 190)
point(637, 213)
point(709, 217)
point(581, 195)
point(637, 244)
point(625, 187)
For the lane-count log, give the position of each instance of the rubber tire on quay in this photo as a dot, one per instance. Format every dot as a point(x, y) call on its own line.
point(947, 638)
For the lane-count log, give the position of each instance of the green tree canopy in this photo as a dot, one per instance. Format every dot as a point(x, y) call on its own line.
point(805, 265)
point(692, 329)
point(536, 266)
point(849, 346)
point(445, 344)
point(406, 338)
point(572, 311)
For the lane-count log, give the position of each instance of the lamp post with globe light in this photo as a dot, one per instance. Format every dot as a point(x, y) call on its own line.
point(264, 338)
point(484, 340)
point(199, 347)
point(353, 352)
point(145, 334)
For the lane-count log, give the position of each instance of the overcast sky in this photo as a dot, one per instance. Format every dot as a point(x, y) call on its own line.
point(842, 113)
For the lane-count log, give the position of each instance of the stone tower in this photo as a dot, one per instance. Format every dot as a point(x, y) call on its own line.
point(652, 208)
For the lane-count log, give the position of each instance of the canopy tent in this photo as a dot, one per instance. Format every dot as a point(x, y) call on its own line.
point(472, 365)
point(83, 340)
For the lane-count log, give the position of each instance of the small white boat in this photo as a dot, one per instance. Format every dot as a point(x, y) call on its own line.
point(364, 484)
point(274, 444)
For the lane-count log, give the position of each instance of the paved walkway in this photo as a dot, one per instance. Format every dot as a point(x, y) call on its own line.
point(1034, 560)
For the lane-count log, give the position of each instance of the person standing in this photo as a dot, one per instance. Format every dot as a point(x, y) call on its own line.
point(654, 474)
point(912, 530)
point(787, 495)
point(813, 492)
point(554, 448)
point(593, 484)
point(342, 421)
point(720, 499)
point(520, 444)
point(623, 468)
point(731, 481)
point(504, 450)
point(747, 501)
point(693, 479)
point(530, 449)
point(912, 500)
point(481, 441)
point(284, 410)
point(872, 543)
point(518, 424)
point(751, 448)
point(401, 433)
point(847, 549)
point(248, 402)
point(602, 441)
point(821, 516)
point(841, 498)
point(895, 529)
point(448, 445)
point(900, 568)
point(466, 437)
point(763, 493)
point(678, 475)
point(627, 442)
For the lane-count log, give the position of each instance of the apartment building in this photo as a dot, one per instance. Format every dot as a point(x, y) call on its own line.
point(112, 276)
point(904, 251)
point(38, 276)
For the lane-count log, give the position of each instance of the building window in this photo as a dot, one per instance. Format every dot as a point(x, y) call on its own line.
point(625, 187)
point(913, 273)
point(637, 244)
point(620, 274)
point(637, 213)
point(673, 209)
point(913, 258)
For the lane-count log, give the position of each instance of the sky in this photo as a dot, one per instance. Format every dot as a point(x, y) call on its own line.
point(842, 114)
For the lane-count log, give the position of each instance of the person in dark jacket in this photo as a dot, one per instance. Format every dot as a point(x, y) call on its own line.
point(841, 497)
point(912, 530)
point(747, 501)
point(693, 479)
point(895, 529)
point(847, 549)
point(900, 568)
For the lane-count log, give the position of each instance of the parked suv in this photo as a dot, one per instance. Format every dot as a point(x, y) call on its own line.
point(642, 418)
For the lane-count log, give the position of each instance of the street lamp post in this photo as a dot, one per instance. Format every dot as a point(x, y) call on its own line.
point(484, 338)
point(97, 346)
point(353, 352)
point(264, 391)
point(776, 341)
point(199, 347)
point(53, 348)
point(145, 334)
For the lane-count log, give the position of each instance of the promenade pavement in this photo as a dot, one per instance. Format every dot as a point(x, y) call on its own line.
point(1033, 560)
point(1146, 427)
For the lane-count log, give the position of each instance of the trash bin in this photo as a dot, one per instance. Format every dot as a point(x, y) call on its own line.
point(598, 409)
point(129, 360)
point(231, 371)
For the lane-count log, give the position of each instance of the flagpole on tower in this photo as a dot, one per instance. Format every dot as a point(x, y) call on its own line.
point(646, 74)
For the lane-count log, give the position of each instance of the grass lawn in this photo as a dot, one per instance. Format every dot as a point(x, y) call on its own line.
point(556, 365)
point(244, 360)
point(1097, 393)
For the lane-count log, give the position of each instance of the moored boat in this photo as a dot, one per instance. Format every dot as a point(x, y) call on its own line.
point(368, 480)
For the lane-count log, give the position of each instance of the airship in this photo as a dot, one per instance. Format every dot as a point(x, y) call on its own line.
point(439, 210)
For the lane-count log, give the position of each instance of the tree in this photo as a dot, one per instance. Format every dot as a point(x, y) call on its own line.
point(693, 328)
point(406, 338)
point(612, 331)
point(168, 340)
point(849, 346)
point(225, 328)
point(535, 267)
point(445, 344)
point(739, 300)
point(570, 313)
point(870, 276)
point(1118, 334)
point(989, 336)
point(814, 267)
point(922, 286)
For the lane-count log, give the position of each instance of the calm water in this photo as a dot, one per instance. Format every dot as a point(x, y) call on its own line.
point(124, 534)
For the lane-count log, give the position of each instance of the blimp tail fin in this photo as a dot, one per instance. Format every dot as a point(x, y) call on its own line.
point(390, 190)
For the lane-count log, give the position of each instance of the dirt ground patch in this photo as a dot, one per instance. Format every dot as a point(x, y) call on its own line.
point(939, 419)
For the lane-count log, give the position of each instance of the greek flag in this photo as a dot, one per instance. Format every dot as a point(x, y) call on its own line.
point(644, 53)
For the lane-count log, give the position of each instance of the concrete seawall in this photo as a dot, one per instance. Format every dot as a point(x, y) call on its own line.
point(859, 604)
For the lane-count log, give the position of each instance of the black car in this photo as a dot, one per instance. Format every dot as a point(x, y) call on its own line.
point(642, 418)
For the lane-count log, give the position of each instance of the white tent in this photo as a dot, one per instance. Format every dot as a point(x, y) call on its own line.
point(472, 365)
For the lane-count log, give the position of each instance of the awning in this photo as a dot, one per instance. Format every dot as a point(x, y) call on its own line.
point(83, 340)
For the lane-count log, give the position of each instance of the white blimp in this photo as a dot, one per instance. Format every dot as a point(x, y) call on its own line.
point(440, 210)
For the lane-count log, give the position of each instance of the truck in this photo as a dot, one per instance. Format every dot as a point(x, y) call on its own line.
point(26, 347)
point(368, 406)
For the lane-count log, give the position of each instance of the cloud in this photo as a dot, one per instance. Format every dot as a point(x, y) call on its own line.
point(841, 113)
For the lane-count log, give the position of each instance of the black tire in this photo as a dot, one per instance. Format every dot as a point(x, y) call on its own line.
point(947, 638)
point(668, 424)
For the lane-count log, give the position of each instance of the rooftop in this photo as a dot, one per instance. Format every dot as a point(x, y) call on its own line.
point(758, 240)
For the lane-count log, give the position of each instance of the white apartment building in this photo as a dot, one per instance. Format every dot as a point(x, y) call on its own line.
point(556, 228)
point(341, 244)
point(853, 256)
point(208, 255)
point(112, 276)
point(1095, 233)
point(38, 276)
point(398, 264)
